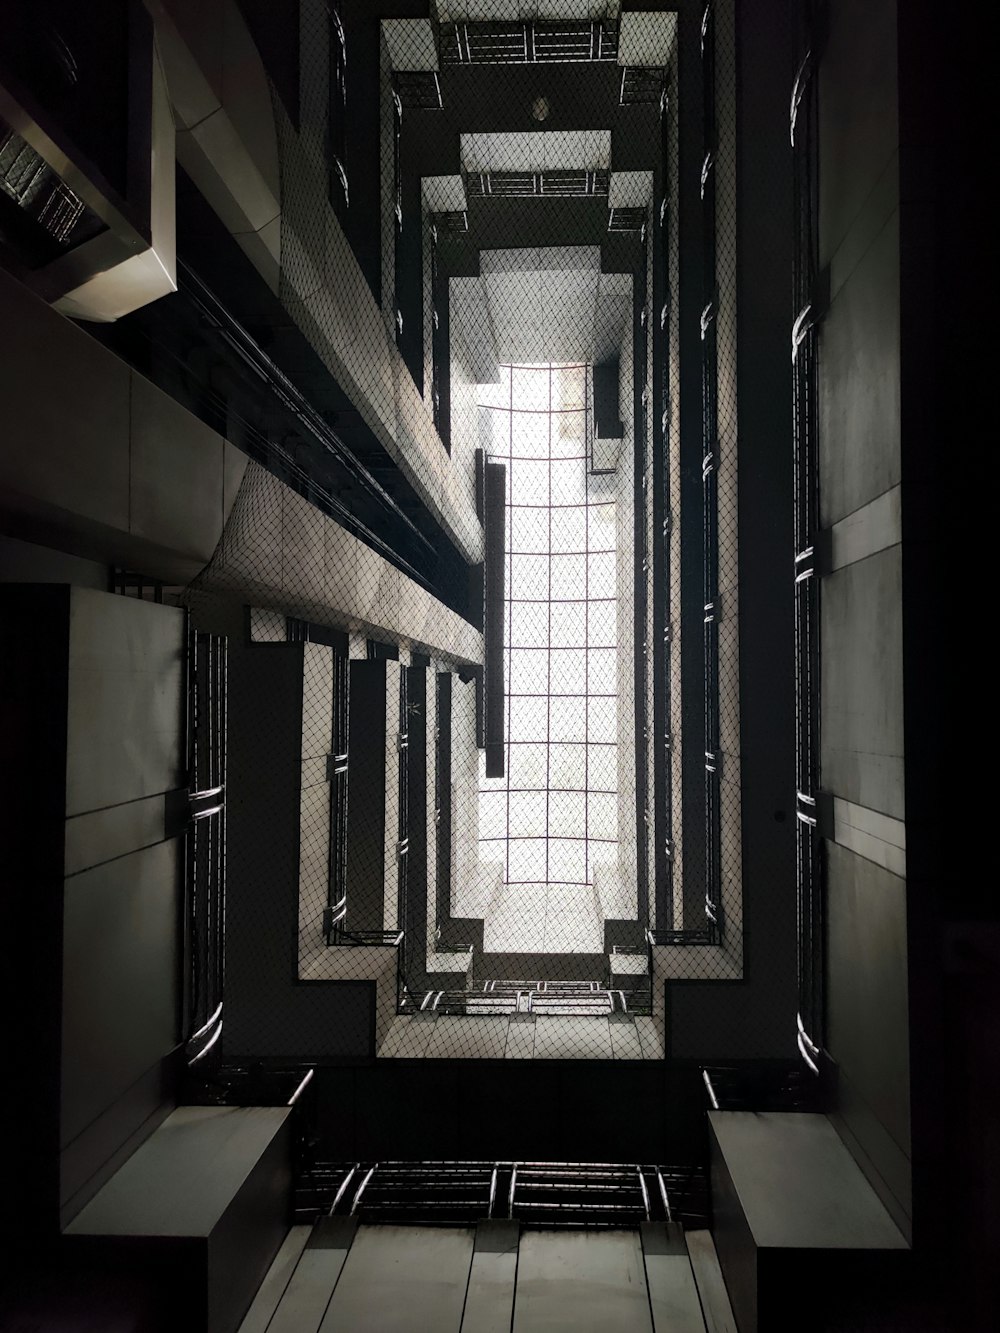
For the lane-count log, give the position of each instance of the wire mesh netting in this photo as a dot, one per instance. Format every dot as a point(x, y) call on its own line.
point(475, 299)
point(552, 820)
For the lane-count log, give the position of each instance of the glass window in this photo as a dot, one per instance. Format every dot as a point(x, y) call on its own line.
point(554, 816)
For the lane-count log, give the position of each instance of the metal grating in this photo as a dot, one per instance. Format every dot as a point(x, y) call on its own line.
point(205, 841)
point(497, 43)
point(560, 184)
point(536, 1194)
point(452, 220)
point(626, 219)
point(59, 219)
point(569, 999)
point(641, 85)
point(418, 90)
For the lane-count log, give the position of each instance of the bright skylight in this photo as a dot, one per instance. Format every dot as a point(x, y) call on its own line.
point(554, 816)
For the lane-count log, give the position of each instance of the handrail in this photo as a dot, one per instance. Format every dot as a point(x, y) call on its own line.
point(367, 938)
point(706, 1079)
point(208, 1045)
point(343, 1188)
point(536, 1193)
point(258, 361)
point(302, 1087)
point(202, 1030)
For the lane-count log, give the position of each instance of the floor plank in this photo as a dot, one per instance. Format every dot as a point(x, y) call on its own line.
point(590, 1282)
point(271, 1290)
point(402, 1280)
point(712, 1292)
point(308, 1293)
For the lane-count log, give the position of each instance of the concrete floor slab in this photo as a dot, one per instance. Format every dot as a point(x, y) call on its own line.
point(585, 1281)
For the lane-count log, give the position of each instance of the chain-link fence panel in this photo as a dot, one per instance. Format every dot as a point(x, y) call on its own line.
point(493, 306)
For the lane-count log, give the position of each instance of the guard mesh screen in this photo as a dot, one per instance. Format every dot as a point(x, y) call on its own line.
point(478, 247)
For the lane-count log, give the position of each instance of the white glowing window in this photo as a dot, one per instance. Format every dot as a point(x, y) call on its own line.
point(554, 815)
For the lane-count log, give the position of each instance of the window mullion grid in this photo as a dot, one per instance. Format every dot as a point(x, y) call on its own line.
point(509, 594)
point(552, 471)
point(586, 650)
point(548, 651)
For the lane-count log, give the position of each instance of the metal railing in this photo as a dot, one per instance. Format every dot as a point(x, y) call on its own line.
point(205, 837)
point(566, 998)
point(534, 1194)
point(697, 935)
point(532, 42)
point(760, 1086)
point(807, 306)
point(710, 466)
point(338, 936)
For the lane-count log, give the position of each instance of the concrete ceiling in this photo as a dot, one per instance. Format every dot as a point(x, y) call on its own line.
point(551, 304)
point(542, 150)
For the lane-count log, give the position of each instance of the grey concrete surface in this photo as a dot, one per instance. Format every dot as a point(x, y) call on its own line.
point(270, 1292)
point(185, 1176)
point(868, 987)
point(712, 1293)
point(113, 466)
point(798, 1186)
point(125, 697)
point(268, 1013)
point(120, 979)
point(673, 1292)
point(489, 1297)
point(858, 111)
point(121, 893)
point(861, 691)
point(403, 1280)
point(586, 1281)
point(859, 383)
point(102, 835)
point(868, 530)
point(875, 836)
point(27, 562)
point(307, 1296)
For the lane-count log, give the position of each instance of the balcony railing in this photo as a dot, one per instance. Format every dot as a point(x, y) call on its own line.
point(535, 1194)
point(335, 935)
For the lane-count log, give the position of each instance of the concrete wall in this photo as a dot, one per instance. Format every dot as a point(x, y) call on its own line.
point(373, 796)
point(94, 727)
point(103, 464)
point(121, 896)
point(280, 552)
point(26, 562)
point(748, 1010)
point(270, 1013)
point(112, 469)
point(861, 722)
point(314, 798)
point(473, 361)
point(268, 182)
point(325, 292)
point(226, 139)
